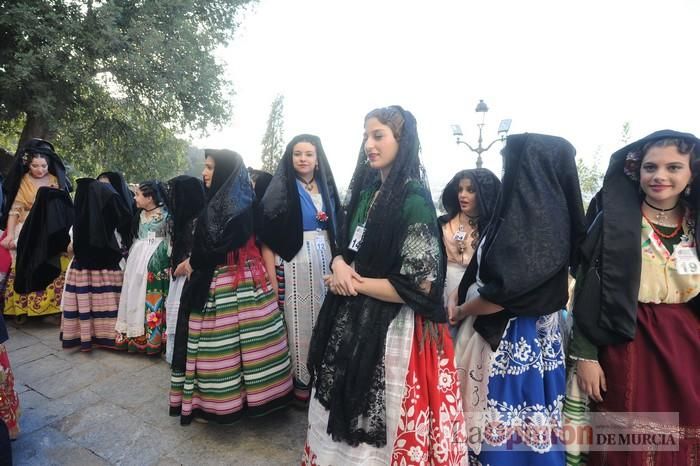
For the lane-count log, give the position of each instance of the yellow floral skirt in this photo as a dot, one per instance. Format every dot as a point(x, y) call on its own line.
point(37, 304)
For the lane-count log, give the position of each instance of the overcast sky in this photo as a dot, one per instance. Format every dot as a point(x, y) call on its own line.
point(572, 69)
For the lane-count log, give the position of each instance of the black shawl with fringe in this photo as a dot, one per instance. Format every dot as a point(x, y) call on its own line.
point(533, 235)
point(279, 216)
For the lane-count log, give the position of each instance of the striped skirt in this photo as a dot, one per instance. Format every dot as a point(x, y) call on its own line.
point(90, 304)
point(237, 353)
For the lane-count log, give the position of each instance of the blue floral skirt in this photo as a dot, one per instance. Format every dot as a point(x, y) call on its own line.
point(526, 388)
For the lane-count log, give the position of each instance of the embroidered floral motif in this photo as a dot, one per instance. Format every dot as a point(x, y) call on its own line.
point(431, 428)
point(153, 319)
point(518, 358)
point(536, 424)
point(445, 380)
point(526, 386)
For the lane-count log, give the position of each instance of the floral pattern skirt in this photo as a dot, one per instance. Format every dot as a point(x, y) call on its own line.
point(9, 402)
point(152, 342)
point(526, 388)
point(35, 304)
point(424, 419)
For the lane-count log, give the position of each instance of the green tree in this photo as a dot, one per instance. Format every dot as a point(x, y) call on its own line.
point(625, 137)
point(195, 157)
point(10, 131)
point(590, 176)
point(112, 135)
point(273, 141)
point(154, 59)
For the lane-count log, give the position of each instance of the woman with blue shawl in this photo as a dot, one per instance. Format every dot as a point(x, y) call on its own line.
point(298, 228)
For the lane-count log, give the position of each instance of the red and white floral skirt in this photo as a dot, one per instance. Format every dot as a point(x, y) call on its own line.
point(424, 418)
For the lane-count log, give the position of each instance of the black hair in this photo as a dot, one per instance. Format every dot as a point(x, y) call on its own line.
point(153, 189)
point(684, 147)
point(450, 194)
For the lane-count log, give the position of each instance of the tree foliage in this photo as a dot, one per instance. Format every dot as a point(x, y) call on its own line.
point(591, 174)
point(273, 141)
point(195, 158)
point(625, 136)
point(109, 135)
point(112, 135)
point(150, 65)
point(590, 177)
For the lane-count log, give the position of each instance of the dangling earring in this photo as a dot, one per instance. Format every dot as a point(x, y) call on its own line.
point(687, 190)
point(316, 167)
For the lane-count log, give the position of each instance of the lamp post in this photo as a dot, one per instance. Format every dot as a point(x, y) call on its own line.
point(503, 129)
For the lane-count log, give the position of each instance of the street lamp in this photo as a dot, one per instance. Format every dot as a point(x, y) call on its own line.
point(503, 129)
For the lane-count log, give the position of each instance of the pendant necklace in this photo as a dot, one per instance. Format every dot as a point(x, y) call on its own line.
point(474, 235)
point(460, 243)
point(661, 216)
point(308, 185)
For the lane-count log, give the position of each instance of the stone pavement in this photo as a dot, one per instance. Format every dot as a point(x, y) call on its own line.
point(107, 407)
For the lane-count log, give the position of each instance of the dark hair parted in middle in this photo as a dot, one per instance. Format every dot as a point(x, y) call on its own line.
point(153, 189)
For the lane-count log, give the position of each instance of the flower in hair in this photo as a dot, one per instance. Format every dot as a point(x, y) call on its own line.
point(632, 162)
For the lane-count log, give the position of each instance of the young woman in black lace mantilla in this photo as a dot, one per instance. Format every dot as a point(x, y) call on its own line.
point(380, 352)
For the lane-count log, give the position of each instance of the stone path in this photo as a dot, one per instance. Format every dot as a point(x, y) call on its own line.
point(106, 408)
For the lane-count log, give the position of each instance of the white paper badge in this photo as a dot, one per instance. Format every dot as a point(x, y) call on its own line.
point(356, 240)
point(687, 260)
point(320, 243)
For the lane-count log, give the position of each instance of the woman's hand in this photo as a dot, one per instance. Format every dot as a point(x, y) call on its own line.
point(340, 281)
point(452, 312)
point(183, 269)
point(8, 242)
point(274, 284)
point(591, 379)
